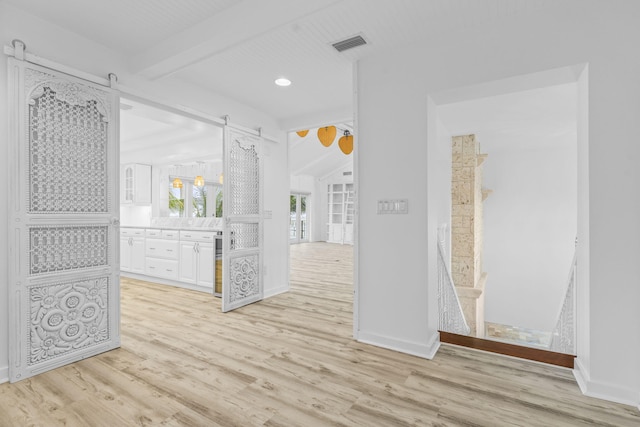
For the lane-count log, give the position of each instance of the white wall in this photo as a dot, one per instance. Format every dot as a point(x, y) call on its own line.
point(529, 233)
point(135, 216)
point(395, 306)
point(59, 45)
point(4, 244)
point(438, 185)
point(276, 228)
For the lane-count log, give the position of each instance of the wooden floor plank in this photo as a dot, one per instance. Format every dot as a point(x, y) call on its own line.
point(289, 361)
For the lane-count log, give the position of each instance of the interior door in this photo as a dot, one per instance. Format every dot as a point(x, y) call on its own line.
point(243, 234)
point(64, 302)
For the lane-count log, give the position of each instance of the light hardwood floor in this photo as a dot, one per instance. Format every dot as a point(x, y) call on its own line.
point(289, 361)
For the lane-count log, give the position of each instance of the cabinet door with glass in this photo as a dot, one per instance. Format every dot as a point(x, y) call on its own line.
point(135, 184)
point(340, 209)
point(298, 218)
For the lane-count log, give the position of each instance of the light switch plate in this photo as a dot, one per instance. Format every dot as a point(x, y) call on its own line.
point(393, 206)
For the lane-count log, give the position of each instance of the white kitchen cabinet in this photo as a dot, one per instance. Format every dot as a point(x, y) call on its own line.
point(206, 265)
point(161, 254)
point(188, 262)
point(132, 250)
point(197, 258)
point(135, 184)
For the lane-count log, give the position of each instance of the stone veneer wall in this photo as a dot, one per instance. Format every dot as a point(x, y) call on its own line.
point(467, 229)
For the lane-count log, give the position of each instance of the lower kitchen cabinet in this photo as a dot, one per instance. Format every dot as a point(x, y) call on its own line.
point(180, 257)
point(162, 254)
point(197, 258)
point(132, 250)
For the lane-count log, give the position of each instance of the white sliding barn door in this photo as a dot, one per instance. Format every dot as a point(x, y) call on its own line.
point(242, 236)
point(63, 222)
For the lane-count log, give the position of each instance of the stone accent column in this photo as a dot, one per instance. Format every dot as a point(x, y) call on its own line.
point(467, 229)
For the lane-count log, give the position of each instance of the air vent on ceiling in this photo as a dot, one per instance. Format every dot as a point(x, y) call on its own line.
point(349, 43)
point(347, 173)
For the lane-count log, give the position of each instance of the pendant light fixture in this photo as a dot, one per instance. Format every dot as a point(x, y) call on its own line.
point(177, 182)
point(346, 143)
point(327, 135)
point(302, 133)
point(199, 180)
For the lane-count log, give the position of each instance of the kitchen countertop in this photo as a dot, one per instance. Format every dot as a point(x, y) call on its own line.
point(155, 227)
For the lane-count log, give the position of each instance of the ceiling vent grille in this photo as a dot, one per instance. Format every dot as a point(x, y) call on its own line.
point(349, 43)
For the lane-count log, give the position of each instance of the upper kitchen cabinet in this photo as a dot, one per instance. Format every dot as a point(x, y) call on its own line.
point(135, 184)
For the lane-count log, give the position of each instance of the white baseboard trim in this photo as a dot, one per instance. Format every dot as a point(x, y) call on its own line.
point(4, 374)
point(163, 281)
point(273, 292)
point(604, 391)
point(425, 350)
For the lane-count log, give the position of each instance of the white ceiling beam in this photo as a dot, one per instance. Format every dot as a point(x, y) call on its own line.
point(233, 26)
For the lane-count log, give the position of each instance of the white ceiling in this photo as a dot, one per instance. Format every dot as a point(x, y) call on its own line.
point(239, 47)
point(154, 136)
point(531, 119)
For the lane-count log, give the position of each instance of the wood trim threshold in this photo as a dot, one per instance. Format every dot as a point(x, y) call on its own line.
point(535, 354)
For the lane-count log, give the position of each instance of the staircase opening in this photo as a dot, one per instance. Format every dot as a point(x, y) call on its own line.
point(509, 246)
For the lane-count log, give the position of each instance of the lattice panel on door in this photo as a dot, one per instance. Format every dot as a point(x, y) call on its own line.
point(67, 155)
point(244, 236)
point(244, 277)
point(67, 317)
point(62, 248)
point(244, 178)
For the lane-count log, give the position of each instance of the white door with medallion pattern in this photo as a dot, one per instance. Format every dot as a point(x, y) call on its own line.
point(64, 299)
point(242, 210)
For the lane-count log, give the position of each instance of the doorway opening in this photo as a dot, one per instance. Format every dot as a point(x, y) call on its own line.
point(509, 249)
point(322, 207)
point(171, 168)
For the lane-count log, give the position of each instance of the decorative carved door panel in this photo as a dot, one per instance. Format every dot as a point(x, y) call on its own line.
point(242, 236)
point(64, 284)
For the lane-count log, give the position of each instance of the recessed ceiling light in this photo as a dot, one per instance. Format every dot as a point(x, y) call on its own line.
point(283, 81)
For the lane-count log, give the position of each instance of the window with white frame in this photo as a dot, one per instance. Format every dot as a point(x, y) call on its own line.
point(197, 201)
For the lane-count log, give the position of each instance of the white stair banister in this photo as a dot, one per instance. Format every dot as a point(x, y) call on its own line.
point(450, 311)
point(563, 337)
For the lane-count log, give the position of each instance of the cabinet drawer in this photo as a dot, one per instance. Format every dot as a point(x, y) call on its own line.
point(153, 233)
point(197, 236)
point(159, 248)
point(171, 234)
point(161, 268)
point(132, 232)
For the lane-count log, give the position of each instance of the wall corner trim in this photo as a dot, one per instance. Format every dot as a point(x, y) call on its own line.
point(4, 374)
point(426, 350)
point(277, 291)
point(602, 390)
